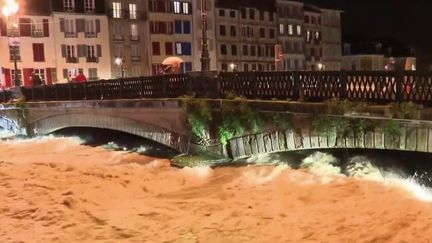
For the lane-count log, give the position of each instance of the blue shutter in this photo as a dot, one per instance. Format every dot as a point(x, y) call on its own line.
point(177, 26)
point(188, 67)
point(182, 68)
point(186, 49)
point(186, 27)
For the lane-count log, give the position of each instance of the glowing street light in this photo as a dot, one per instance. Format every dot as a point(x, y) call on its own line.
point(119, 62)
point(9, 10)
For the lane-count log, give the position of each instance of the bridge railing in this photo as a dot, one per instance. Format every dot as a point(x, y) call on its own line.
point(374, 86)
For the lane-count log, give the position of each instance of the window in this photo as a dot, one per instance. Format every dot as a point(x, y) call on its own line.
point(233, 31)
point(317, 35)
point(223, 49)
point(68, 5)
point(221, 12)
point(19, 76)
point(245, 67)
point(234, 50)
point(306, 19)
point(134, 32)
point(134, 51)
point(281, 29)
point(178, 27)
point(92, 73)
point(136, 71)
point(183, 48)
point(251, 14)
point(290, 29)
point(118, 52)
point(262, 32)
point(40, 73)
point(116, 10)
point(90, 51)
point(232, 14)
point(243, 13)
point(261, 15)
point(222, 30)
point(245, 50)
point(186, 8)
point(186, 27)
point(177, 7)
point(224, 67)
point(132, 11)
point(70, 51)
point(253, 51)
point(298, 29)
point(38, 52)
point(89, 6)
point(271, 18)
point(178, 48)
point(69, 26)
point(272, 33)
point(169, 48)
point(156, 48)
point(89, 27)
point(14, 53)
point(37, 28)
point(308, 36)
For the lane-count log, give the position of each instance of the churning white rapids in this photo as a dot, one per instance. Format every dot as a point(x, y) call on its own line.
point(58, 190)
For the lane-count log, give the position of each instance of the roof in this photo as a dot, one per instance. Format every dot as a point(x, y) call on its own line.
point(269, 5)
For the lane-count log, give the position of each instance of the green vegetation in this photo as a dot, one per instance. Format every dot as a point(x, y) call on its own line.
point(196, 160)
point(339, 107)
point(199, 116)
point(406, 110)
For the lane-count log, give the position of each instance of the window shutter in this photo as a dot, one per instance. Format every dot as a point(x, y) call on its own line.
point(65, 73)
point(48, 76)
point(45, 27)
point(27, 72)
point(8, 78)
point(98, 26)
point(178, 26)
point(168, 48)
point(38, 52)
point(62, 25)
point(186, 27)
point(99, 50)
point(80, 25)
point(82, 50)
point(63, 50)
point(3, 28)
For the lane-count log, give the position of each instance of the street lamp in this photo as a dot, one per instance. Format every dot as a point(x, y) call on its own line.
point(119, 62)
point(205, 56)
point(9, 11)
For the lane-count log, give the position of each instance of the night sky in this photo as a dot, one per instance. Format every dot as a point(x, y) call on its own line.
point(404, 21)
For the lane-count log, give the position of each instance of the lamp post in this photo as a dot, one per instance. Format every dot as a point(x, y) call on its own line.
point(119, 62)
point(205, 56)
point(9, 11)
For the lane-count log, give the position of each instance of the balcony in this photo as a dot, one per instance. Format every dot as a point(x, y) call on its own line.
point(92, 59)
point(70, 34)
point(93, 78)
point(18, 58)
point(37, 33)
point(68, 9)
point(118, 38)
point(14, 32)
point(90, 34)
point(136, 58)
point(71, 60)
point(134, 38)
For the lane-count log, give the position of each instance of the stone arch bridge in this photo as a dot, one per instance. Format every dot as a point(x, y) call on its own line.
point(162, 121)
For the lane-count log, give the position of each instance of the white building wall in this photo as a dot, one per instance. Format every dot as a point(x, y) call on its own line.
point(103, 66)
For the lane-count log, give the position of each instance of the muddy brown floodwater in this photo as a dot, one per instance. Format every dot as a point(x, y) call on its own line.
point(56, 190)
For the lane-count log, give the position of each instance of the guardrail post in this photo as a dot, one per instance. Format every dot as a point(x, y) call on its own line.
point(56, 92)
point(121, 88)
point(44, 92)
point(165, 86)
point(296, 86)
point(399, 79)
point(70, 91)
point(343, 81)
point(32, 93)
point(85, 91)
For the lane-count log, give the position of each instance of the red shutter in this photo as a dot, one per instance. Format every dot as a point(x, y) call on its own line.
point(168, 48)
point(3, 28)
point(38, 52)
point(27, 72)
point(8, 78)
point(48, 76)
point(156, 48)
point(162, 28)
point(25, 26)
point(45, 27)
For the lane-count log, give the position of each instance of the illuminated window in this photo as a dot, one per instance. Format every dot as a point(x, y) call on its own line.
point(116, 10)
point(132, 11)
point(308, 36)
point(281, 29)
point(68, 5)
point(134, 32)
point(186, 8)
point(89, 5)
point(317, 35)
point(290, 29)
point(177, 7)
point(298, 29)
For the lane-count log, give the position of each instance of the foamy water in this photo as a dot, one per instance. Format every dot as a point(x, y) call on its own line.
point(58, 190)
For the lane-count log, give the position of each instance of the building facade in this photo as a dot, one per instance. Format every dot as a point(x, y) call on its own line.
point(128, 37)
point(331, 39)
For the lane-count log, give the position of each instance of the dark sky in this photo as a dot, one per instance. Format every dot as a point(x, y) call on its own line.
point(405, 21)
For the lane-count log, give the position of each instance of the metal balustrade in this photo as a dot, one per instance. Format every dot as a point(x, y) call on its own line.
point(317, 86)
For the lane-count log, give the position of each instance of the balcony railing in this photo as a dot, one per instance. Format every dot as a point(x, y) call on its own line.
point(71, 60)
point(134, 38)
point(37, 33)
point(136, 58)
point(90, 34)
point(118, 37)
point(92, 59)
point(70, 34)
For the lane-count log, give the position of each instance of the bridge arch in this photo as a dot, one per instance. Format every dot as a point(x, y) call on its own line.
point(49, 124)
